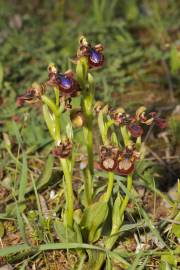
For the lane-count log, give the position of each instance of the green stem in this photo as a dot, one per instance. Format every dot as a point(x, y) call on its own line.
point(87, 186)
point(68, 192)
point(57, 127)
point(87, 85)
point(107, 195)
point(88, 135)
point(126, 199)
point(138, 143)
point(50, 104)
point(109, 243)
point(89, 143)
point(81, 263)
point(56, 91)
point(17, 162)
point(125, 135)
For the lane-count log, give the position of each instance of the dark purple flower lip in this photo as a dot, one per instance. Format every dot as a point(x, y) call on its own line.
point(96, 58)
point(135, 130)
point(94, 54)
point(65, 82)
point(160, 122)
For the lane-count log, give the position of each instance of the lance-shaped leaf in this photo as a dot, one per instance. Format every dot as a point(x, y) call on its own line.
point(93, 219)
point(49, 118)
point(117, 219)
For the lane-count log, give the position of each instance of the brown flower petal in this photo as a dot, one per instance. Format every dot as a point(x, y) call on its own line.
point(125, 167)
point(108, 157)
point(109, 164)
point(160, 122)
point(63, 150)
point(32, 95)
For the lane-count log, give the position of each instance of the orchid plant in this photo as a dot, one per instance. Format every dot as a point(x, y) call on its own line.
point(120, 148)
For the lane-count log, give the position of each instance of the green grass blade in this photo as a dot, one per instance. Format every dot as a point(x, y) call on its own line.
point(1, 75)
point(53, 246)
point(14, 249)
point(136, 261)
point(37, 199)
point(17, 133)
point(141, 267)
point(20, 222)
point(152, 227)
point(48, 168)
point(23, 179)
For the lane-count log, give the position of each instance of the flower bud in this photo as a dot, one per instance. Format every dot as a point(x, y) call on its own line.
point(77, 118)
point(7, 141)
point(140, 111)
point(100, 106)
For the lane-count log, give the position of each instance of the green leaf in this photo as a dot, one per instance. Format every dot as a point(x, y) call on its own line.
point(117, 256)
point(108, 263)
point(77, 230)
point(11, 209)
point(165, 266)
point(17, 133)
point(152, 227)
point(81, 71)
point(1, 75)
point(64, 233)
point(174, 60)
point(14, 249)
point(170, 259)
point(50, 122)
point(20, 223)
point(136, 261)
point(116, 219)
point(46, 175)
point(1, 230)
point(93, 218)
point(176, 227)
point(95, 259)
